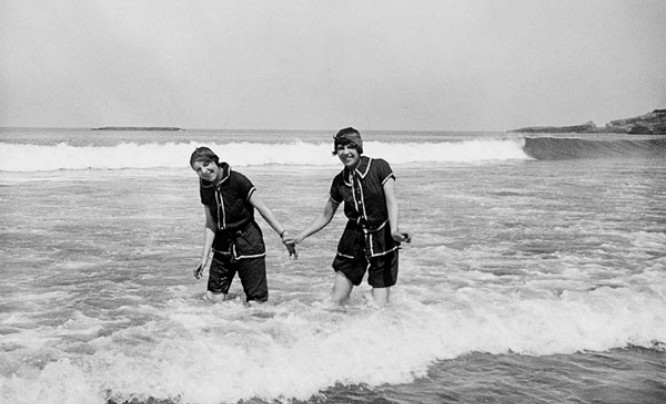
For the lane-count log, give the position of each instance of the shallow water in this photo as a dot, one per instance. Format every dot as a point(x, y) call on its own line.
point(526, 281)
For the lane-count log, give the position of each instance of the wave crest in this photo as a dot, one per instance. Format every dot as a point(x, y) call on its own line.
point(63, 156)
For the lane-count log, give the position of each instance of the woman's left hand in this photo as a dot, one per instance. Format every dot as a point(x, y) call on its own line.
point(401, 236)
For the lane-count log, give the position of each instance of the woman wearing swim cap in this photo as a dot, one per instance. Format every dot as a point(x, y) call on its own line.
point(371, 239)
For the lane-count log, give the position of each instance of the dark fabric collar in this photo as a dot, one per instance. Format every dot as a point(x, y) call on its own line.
point(361, 170)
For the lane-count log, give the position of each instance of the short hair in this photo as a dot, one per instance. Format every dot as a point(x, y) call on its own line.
point(204, 155)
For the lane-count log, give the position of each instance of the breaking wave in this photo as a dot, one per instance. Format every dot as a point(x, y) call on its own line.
point(557, 148)
point(63, 156)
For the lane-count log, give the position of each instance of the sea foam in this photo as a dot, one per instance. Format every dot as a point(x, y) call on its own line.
point(193, 352)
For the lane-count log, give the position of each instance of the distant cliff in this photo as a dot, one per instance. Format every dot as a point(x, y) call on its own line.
point(584, 128)
point(653, 123)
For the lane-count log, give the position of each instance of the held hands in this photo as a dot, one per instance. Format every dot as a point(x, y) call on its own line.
point(290, 245)
point(292, 250)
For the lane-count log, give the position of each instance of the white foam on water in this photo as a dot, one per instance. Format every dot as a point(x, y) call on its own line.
point(532, 279)
point(206, 353)
point(61, 381)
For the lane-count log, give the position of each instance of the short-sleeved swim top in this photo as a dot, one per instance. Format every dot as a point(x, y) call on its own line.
point(229, 202)
point(367, 233)
point(362, 191)
point(237, 233)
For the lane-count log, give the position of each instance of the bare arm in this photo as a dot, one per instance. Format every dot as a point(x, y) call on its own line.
point(267, 214)
point(319, 223)
point(392, 209)
point(209, 236)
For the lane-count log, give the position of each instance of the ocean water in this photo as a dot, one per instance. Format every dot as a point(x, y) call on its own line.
point(536, 274)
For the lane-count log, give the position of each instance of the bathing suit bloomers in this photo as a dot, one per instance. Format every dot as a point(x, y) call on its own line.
point(238, 245)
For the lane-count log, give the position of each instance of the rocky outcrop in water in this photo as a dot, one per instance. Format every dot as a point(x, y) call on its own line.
point(653, 123)
point(586, 127)
point(139, 128)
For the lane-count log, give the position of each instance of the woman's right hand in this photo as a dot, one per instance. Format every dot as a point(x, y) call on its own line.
point(198, 271)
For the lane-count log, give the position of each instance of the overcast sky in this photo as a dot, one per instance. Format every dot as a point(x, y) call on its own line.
point(403, 65)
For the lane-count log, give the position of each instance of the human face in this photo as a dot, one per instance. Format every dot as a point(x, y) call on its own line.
point(348, 155)
point(207, 171)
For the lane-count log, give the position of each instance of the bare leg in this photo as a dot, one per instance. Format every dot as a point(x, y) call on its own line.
point(342, 287)
point(381, 296)
point(215, 297)
point(254, 303)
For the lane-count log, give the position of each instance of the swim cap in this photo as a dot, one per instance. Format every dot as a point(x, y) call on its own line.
point(349, 135)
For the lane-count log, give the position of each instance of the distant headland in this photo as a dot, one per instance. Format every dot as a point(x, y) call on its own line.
point(653, 123)
point(135, 128)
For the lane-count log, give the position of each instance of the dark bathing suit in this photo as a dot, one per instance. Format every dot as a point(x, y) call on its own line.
point(366, 243)
point(238, 246)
